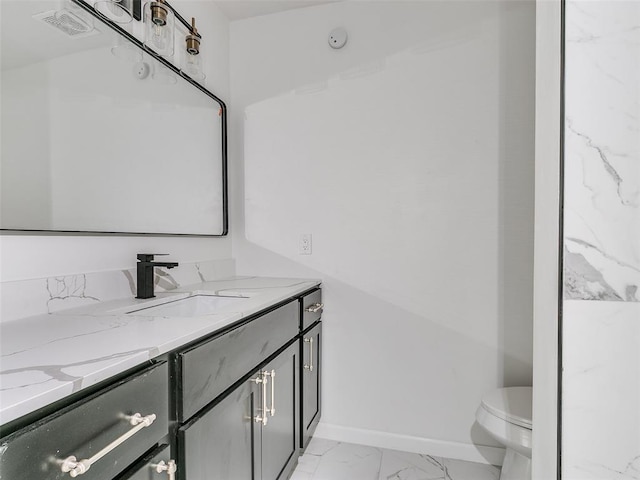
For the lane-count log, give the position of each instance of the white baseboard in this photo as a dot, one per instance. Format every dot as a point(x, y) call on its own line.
point(407, 443)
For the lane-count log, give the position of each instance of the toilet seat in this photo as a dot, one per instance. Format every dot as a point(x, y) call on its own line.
point(512, 404)
point(506, 415)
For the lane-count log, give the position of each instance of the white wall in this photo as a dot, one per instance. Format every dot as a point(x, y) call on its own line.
point(409, 157)
point(29, 256)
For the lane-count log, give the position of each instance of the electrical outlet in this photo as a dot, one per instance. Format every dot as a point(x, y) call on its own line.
point(305, 244)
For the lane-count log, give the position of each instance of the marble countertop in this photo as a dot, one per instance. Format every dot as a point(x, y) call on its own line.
point(47, 357)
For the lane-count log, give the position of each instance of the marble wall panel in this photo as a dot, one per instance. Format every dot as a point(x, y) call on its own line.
point(27, 298)
point(601, 311)
point(602, 151)
point(601, 391)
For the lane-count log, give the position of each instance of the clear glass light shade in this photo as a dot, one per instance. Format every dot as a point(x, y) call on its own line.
point(192, 66)
point(118, 11)
point(159, 28)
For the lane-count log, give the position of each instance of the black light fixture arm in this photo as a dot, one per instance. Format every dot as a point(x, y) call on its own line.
point(137, 9)
point(186, 24)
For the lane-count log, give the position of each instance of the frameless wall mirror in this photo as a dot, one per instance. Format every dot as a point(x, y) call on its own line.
point(99, 134)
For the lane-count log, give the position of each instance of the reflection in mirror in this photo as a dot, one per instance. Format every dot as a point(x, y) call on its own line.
point(98, 136)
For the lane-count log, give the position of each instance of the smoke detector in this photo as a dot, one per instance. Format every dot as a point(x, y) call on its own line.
point(338, 38)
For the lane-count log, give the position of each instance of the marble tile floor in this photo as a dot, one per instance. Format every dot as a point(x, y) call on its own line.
point(330, 460)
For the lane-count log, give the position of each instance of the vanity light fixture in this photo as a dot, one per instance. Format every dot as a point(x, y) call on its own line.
point(159, 27)
point(159, 19)
point(192, 61)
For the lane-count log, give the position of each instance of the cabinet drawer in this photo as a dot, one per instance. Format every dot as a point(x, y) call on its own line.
point(209, 368)
point(86, 427)
point(147, 468)
point(311, 309)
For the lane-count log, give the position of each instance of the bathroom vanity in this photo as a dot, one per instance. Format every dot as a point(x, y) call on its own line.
point(216, 381)
point(232, 394)
point(219, 380)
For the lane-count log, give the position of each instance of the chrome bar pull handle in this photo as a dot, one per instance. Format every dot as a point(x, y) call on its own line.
point(170, 467)
point(315, 308)
point(262, 379)
point(272, 374)
point(78, 467)
point(309, 366)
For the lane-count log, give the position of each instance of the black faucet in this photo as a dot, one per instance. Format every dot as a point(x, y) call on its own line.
point(145, 273)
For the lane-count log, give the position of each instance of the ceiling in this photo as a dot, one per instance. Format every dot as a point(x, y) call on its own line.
point(25, 40)
point(44, 42)
point(240, 9)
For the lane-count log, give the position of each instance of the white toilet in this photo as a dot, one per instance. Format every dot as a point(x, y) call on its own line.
point(506, 414)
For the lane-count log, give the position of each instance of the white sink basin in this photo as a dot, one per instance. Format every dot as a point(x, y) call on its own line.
point(193, 306)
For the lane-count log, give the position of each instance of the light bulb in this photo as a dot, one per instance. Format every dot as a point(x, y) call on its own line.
point(159, 27)
point(159, 38)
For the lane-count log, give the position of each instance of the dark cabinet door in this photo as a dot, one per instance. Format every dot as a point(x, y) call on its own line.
point(252, 433)
point(223, 442)
point(280, 434)
point(310, 348)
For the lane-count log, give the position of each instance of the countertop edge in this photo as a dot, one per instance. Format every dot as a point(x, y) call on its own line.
point(271, 295)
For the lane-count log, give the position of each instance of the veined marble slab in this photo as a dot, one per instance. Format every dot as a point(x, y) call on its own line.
point(47, 357)
point(27, 298)
point(601, 391)
point(602, 151)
